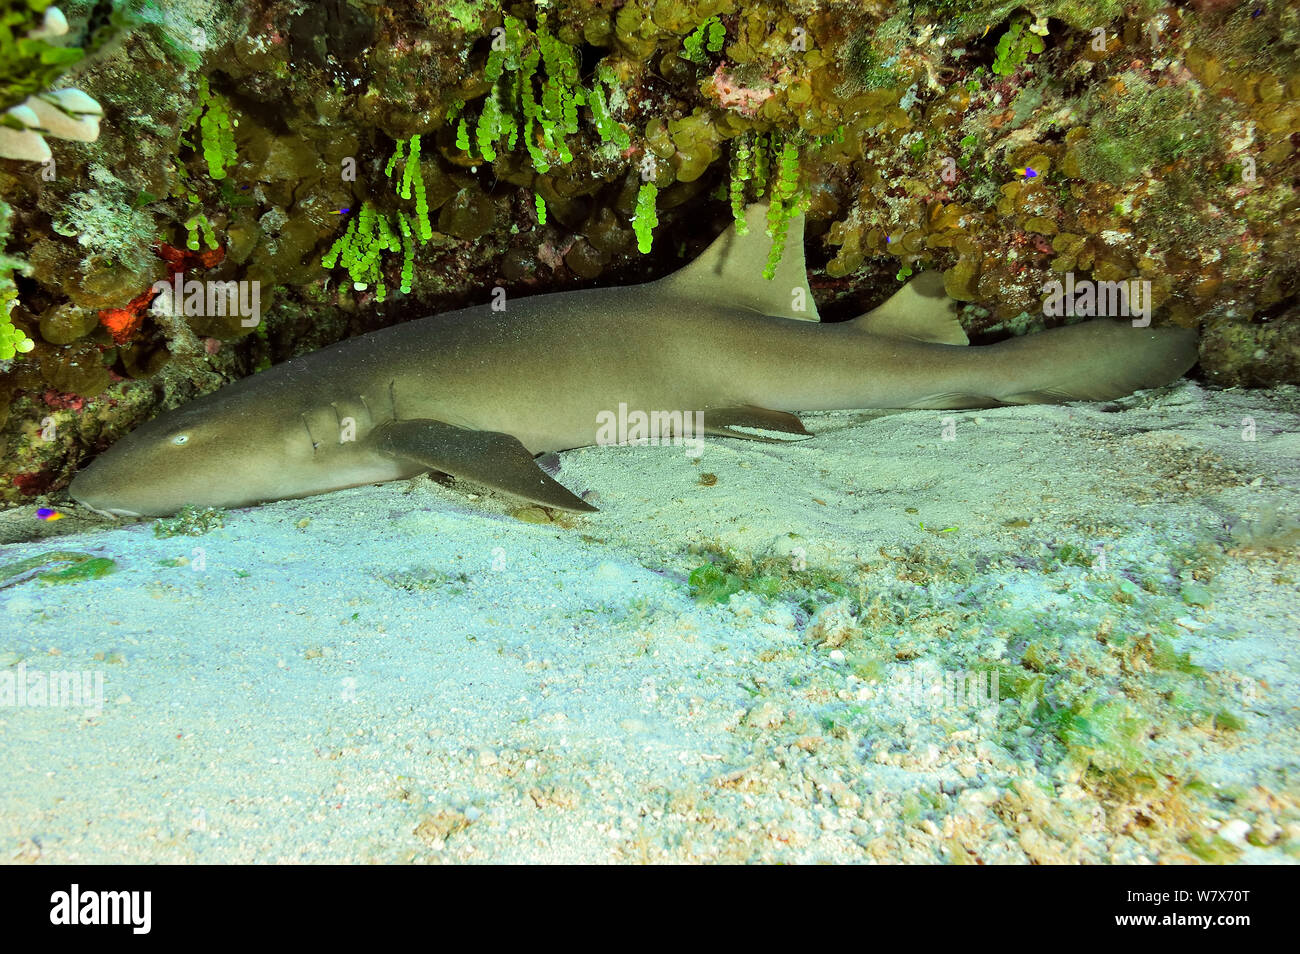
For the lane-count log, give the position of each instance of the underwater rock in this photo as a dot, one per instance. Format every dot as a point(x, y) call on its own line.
point(330, 28)
point(1253, 355)
point(76, 369)
point(519, 264)
point(998, 147)
point(467, 216)
point(584, 260)
point(64, 324)
point(606, 233)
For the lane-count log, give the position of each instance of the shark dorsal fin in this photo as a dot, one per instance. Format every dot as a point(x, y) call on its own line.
point(730, 271)
point(920, 310)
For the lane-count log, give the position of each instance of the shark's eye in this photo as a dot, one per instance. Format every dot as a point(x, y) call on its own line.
point(181, 439)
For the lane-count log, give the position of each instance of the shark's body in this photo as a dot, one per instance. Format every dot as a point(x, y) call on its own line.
point(476, 393)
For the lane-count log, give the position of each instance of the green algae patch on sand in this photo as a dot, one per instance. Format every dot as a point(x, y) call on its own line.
point(93, 569)
point(80, 566)
point(771, 576)
point(419, 580)
point(711, 583)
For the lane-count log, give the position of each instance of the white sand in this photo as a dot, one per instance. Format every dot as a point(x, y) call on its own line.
point(523, 692)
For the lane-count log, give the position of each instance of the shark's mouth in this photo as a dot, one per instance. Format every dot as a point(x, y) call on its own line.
point(110, 512)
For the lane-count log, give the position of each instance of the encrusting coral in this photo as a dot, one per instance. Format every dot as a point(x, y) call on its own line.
point(556, 145)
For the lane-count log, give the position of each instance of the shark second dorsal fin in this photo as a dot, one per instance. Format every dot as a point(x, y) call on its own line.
point(920, 310)
point(730, 271)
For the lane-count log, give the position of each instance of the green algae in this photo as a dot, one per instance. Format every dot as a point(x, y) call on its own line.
point(711, 583)
point(1148, 126)
point(1016, 46)
point(1197, 594)
point(1069, 555)
point(92, 569)
point(1211, 849)
point(12, 338)
point(784, 201)
point(80, 566)
point(709, 36)
point(1107, 736)
point(196, 224)
point(375, 231)
point(29, 64)
point(771, 577)
point(742, 170)
point(216, 140)
point(533, 97)
point(645, 218)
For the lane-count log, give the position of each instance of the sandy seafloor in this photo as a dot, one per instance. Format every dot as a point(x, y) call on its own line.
point(405, 673)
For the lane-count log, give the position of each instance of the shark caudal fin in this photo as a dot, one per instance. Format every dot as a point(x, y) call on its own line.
point(730, 271)
point(1093, 361)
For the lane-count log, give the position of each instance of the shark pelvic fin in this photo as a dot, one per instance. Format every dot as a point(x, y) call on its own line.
point(920, 310)
point(490, 458)
point(723, 421)
point(730, 271)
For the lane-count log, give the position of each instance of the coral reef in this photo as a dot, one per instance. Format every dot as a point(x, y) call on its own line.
point(434, 152)
point(34, 52)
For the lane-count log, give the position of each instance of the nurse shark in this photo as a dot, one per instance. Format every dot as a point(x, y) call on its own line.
point(478, 393)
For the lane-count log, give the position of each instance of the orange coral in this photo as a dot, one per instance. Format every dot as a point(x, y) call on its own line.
point(123, 323)
point(182, 260)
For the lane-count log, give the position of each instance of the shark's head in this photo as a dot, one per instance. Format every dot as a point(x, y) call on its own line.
point(227, 449)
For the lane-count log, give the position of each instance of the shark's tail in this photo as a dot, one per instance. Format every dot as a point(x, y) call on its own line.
point(1093, 361)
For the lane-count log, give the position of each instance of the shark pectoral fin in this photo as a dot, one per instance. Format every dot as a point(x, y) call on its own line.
point(490, 458)
point(920, 310)
point(722, 421)
point(730, 271)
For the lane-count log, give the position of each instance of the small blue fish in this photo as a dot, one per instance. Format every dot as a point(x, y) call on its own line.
point(45, 513)
point(1027, 172)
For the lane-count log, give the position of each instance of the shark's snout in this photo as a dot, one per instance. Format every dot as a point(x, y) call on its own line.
point(106, 486)
point(91, 492)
